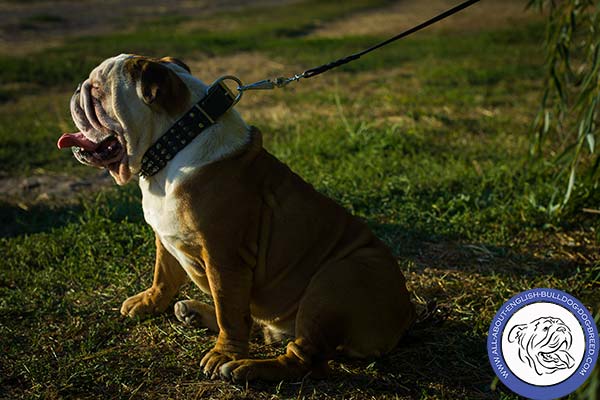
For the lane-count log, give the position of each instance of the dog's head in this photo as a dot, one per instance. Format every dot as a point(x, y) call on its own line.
point(127, 102)
point(544, 344)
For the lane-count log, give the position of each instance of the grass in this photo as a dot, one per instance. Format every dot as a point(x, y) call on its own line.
point(427, 140)
point(37, 20)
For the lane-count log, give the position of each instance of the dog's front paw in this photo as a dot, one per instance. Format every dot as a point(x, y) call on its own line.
point(213, 360)
point(147, 303)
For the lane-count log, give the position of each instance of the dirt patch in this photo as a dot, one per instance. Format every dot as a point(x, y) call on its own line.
point(44, 187)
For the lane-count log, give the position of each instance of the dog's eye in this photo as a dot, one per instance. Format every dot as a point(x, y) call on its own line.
point(546, 329)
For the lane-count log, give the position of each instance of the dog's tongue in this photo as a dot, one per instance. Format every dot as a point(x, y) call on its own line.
point(76, 139)
point(564, 359)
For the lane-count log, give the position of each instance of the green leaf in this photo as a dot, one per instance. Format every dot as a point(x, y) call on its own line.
point(559, 86)
point(591, 141)
point(546, 122)
point(570, 185)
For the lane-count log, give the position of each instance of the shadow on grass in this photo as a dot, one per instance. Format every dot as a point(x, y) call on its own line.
point(444, 357)
point(422, 251)
point(438, 360)
point(116, 205)
point(15, 220)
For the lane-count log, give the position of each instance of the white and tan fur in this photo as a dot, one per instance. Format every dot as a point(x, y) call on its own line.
point(353, 300)
point(144, 127)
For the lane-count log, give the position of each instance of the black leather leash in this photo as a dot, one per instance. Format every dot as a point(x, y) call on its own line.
point(219, 98)
point(309, 73)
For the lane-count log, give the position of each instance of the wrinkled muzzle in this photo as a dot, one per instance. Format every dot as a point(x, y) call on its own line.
point(553, 352)
point(99, 142)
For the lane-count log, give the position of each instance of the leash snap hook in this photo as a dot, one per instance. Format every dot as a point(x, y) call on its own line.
point(268, 84)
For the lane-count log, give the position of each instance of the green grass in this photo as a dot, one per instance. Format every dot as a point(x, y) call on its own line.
point(448, 77)
point(257, 30)
point(427, 140)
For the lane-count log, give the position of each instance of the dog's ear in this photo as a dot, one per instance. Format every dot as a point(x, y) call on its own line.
point(176, 61)
point(160, 86)
point(516, 333)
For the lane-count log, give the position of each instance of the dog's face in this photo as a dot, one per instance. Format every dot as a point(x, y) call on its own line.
point(544, 344)
point(126, 103)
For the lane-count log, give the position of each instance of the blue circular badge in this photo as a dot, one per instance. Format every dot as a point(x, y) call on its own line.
point(543, 344)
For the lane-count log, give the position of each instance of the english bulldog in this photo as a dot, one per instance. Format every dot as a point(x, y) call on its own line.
point(544, 344)
point(253, 235)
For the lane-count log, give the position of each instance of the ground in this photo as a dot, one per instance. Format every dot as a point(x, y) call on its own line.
point(427, 140)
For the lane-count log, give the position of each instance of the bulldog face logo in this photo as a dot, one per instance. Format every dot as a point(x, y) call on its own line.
point(544, 344)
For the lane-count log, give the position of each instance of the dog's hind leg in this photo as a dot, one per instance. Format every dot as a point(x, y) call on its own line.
point(299, 361)
point(196, 313)
point(307, 354)
point(359, 307)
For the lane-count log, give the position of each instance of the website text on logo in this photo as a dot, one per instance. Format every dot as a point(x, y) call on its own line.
point(543, 343)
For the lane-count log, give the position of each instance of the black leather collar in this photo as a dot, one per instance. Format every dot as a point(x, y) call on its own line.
point(203, 114)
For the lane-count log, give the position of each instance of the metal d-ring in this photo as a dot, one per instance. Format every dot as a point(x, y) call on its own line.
point(221, 81)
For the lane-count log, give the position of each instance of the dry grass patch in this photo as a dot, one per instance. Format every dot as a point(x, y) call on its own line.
point(403, 15)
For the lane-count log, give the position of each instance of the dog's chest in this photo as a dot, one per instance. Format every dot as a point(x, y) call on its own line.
point(162, 212)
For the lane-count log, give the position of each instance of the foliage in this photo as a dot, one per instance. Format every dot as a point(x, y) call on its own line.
point(567, 125)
